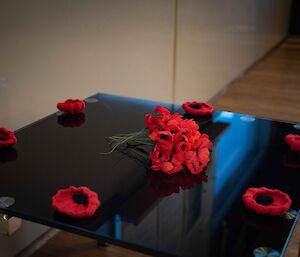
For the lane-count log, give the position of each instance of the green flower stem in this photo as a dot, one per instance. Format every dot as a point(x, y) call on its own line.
point(131, 139)
point(140, 153)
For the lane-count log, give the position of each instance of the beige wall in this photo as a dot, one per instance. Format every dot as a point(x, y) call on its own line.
point(54, 49)
point(218, 40)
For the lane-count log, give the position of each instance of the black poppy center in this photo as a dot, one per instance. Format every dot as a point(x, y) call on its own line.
point(264, 199)
point(80, 198)
point(2, 138)
point(195, 106)
point(164, 137)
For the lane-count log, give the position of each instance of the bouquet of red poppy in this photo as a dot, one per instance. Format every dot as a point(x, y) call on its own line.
point(177, 142)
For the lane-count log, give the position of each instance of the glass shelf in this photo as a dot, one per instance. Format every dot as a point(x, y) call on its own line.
point(148, 211)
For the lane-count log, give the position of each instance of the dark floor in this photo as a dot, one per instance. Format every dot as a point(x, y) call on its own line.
point(271, 88)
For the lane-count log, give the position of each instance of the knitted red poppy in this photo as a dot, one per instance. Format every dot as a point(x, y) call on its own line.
point(76, 202)
point(71, 106)
point(7, 138)
point(197, 108)
point(293, 142)
point(266, 201)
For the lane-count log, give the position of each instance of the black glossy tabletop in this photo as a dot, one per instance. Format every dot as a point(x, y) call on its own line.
point(159, 214)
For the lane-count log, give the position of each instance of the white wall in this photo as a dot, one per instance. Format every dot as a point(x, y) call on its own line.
point(218, 40)
point(54, 49)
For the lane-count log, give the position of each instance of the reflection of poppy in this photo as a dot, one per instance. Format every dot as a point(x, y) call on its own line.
point(293, 142)
point(291, 160)
point(200, 120)
point(8, 154)
point(266, 201)
point(162, 185)
point(263, 222)
point(71, 120)
point(71, 106)
point(7, 138)
point(197, 108)
point(76, 201)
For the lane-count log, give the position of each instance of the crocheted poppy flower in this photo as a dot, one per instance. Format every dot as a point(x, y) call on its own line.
point(71, 106)
point(266, 201)
point(293, 142)
point(197, 108)
point(71, 120)
point(7, 138)
point(76, 202)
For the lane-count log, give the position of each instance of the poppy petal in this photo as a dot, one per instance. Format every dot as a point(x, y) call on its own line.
point(280, 203)
point(71, 106)
point(7, 138)
point(63, 201)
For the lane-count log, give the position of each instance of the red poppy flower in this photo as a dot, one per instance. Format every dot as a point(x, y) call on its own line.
point(162, 137)
point(71, 120)
point(76, 202)
point(266, 201)
point(178, 143)
point(197, 108)
point(162, 111)
point(197, 162)
point(202, 142)
point(183, 146)
point(174, 123)
point(293, 142)
point(71, 106)
point(159, 122)
point(7, 138)
point(173, 166)
point(159, 155)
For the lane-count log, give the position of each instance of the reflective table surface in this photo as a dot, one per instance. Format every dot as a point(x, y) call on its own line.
point(155, 213)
